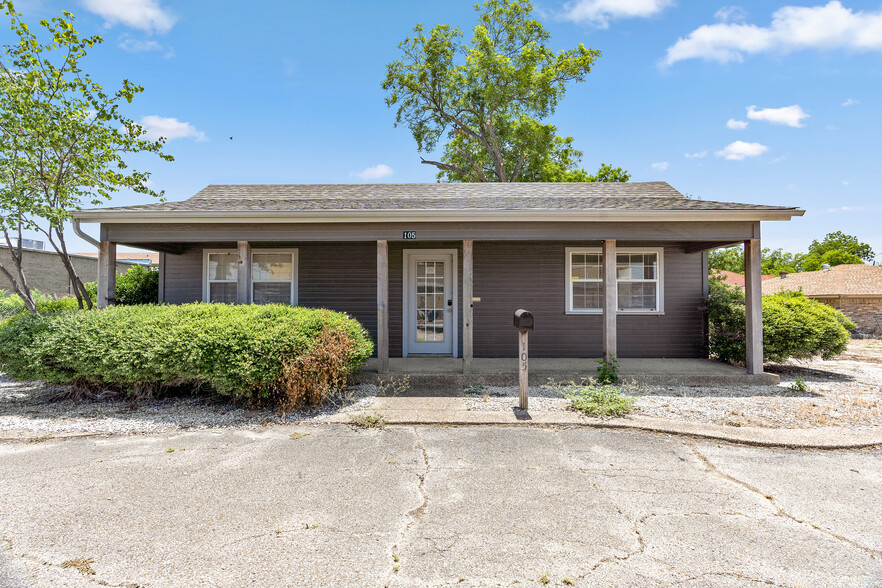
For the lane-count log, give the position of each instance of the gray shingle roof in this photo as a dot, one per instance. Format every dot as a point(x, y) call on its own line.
point(292, 198)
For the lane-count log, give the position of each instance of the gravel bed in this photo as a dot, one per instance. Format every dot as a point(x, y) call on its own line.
point(844, 391)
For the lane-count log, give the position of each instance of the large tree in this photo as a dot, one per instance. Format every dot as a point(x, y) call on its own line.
point(486, 99)
point(63, 140)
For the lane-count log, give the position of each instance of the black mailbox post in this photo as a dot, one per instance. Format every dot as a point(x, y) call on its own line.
point(523, 320)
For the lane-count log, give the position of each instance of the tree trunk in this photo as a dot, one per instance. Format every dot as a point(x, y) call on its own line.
point(20, 285)
point(60, 247)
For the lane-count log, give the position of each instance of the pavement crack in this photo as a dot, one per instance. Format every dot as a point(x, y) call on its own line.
point(712, 468)
point(414, 516)
point(728, 575)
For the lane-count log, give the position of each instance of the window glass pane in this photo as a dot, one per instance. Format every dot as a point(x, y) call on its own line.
point(269, 292)
point(585, 266)
point(650, 267)
point(271, 266)
point(222, 266)
point(222, 292)
point(587, 296)
point(637, 296)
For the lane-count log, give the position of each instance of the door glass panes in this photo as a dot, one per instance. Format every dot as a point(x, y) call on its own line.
point(430, 301)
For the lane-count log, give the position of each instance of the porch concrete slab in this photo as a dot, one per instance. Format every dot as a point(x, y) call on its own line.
point(452, 411)
point(504, 371)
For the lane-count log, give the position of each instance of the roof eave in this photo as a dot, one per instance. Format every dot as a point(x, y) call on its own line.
point(465, 215)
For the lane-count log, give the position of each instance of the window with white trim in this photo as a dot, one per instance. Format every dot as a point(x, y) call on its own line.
point(273, 276)
point(220, 276)
point(639, 275)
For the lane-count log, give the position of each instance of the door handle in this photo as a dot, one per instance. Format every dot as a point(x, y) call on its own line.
point(450, 305)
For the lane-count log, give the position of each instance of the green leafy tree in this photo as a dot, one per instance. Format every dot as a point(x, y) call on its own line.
point(63, 139)
point(487, 98)
point(730, 259)
point(848, 245)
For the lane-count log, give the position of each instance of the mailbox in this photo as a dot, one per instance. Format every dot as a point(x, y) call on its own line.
point(523, 319)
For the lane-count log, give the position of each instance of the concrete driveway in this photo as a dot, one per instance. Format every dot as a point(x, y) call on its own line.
point(435, 506)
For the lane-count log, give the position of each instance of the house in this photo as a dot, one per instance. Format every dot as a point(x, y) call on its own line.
point(855, 289)
point(438, 269)
point(45, 271)
point(736, 279)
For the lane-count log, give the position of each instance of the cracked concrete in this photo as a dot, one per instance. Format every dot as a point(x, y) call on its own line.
point(477, 506)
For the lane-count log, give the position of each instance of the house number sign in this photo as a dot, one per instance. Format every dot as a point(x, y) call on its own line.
point(409, 235)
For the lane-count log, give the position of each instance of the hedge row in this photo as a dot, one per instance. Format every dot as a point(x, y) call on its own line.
point(794, 325)
point(248, 352)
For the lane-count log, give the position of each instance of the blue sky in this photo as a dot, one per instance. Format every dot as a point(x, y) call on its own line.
point(760, 102)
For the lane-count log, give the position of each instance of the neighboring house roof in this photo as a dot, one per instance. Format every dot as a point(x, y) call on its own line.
point(839, 280)
point(149, 256)
point(736, 279)
point(471, 201)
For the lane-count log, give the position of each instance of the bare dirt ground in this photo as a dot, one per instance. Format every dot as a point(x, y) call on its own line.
point(844, 391)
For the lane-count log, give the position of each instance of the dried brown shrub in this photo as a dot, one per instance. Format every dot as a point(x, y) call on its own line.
point(322, 372)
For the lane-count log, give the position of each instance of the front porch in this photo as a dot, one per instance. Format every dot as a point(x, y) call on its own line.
point(434, 374)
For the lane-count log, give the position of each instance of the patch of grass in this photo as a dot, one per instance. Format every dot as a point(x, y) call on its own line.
point(296, 436)
point(543, 579)
point(40, 439)
point(395, 568)
point(170, 450)
point(799, 385)
point(82, 565)
point(311, 526)
point(608, 371)
point(476, 389)
point(601, 400)
point(567, 581)
point(365, 420)
point(395, 557)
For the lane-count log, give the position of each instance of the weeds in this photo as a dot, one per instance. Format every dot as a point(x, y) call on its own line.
point(476, 389)
point(80, 564)
point(364, 420)
point(567, 581)
point(596, 399)
point(543, 579)
point(40, 439)
point(799, 385)
point(393, 386)
point(296, 436)
point(608, 371)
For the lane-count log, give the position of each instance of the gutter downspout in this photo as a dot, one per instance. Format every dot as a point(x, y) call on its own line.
point(79, 233)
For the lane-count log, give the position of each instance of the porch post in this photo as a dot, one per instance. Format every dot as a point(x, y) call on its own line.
point(106, 274)
point(753, 303)
point(243, 273)
point(468, 270)
point(610, 302)
point(383, 305)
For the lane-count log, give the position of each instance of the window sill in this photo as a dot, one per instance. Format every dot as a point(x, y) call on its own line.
point(619, 313)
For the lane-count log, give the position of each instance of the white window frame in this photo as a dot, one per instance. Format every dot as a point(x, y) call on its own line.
point(295, 271)
point(206, 297)
point(659, 291)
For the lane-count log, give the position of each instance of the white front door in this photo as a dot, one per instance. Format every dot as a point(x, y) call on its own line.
point(429, 301)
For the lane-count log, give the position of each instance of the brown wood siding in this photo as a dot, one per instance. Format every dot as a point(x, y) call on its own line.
point(531, 275)
point(508, 275)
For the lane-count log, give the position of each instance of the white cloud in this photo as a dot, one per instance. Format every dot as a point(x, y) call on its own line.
point(793, 28)
point(137, 46)
point(378, 171)
point(600, 12)
point(788, 115)
point(144, 15)
point(170, 128)
point(696, 155)
point(660, 165)
point(850, 102)
point(739, 150)
point(844, 182)
point(736, 125)
point(730, 13)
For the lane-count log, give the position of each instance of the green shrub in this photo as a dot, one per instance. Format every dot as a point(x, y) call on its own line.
point(794, 325)
point(602, 400)
point(139, 285)
point(11, 304)
point(248, 352)
point(608, 371)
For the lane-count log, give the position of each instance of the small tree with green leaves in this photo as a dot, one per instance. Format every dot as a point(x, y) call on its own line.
point(63, 140)
point(487, 98)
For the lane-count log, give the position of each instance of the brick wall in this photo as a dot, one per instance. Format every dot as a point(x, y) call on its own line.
point(45, 272)
point(862, 311)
